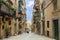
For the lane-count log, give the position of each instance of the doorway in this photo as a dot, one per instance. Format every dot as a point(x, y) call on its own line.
point(43, 24)
point(38, 27)
point(56, 30)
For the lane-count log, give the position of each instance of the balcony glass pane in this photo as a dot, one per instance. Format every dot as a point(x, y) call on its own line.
point(19, 7)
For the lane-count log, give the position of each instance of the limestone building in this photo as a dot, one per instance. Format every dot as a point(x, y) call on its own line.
point(21, 16)
point(50, 20)
point(36, 17)
point(7, 18)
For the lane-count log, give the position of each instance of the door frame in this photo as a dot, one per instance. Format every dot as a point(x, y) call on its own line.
point(53, 27)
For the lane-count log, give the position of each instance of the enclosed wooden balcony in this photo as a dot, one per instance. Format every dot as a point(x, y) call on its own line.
point(6, 9)
point(21, 2)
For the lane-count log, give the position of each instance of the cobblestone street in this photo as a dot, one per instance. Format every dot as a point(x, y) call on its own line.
point(28, 36)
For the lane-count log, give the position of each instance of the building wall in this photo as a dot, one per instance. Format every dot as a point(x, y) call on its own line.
point(22, 13)
point(6, 23)
point(48, 17)
point(36, 17)
point(56, 15)
point(41, 1)
point(1, 27)
point(50, 14)
point(13, 21)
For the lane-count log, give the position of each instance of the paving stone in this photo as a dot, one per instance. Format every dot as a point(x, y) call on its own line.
point(28, 36)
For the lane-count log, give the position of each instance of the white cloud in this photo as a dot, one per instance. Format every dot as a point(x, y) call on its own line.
point(30, 3)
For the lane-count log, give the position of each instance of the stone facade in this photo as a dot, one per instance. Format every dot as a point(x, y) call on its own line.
point(10, 18)
point(36, 17)
point(7, 14)
point(21, 16)
point(49, 19)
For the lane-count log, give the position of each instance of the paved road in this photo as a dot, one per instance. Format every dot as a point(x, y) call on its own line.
point(28, 36)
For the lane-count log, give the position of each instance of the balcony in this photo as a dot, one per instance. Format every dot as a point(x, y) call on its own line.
point(37, 4)
point(37, 14)
point(19, 7)
point(6, 9)
point(36, 7)
point(20, 19)
point(20, 13)
point(21, 2)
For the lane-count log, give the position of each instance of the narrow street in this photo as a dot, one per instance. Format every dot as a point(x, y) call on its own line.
point(28, 36)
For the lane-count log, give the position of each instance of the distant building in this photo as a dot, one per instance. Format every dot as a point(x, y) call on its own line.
point(36, 17)
point(50, 18)
point(28, 26)
point(21, 17)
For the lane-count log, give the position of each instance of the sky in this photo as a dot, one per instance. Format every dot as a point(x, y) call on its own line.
point(29, 9)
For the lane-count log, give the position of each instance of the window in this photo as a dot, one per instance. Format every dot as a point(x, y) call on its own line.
point(48, 33)
point(9, 22)
point(3, 27)
point(10, 28)
point(19, 19)
point(48, 24)
point(7, 19)
point(21, 2)
point(43, 4)
point(55, 4)
point(34, 22)
point(19, 7)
